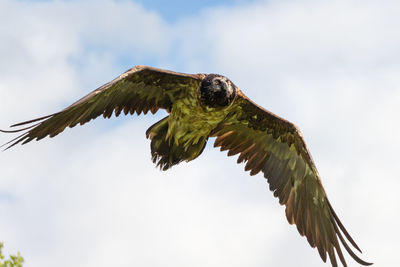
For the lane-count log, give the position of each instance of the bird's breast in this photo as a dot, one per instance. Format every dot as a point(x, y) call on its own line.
point(189, 120)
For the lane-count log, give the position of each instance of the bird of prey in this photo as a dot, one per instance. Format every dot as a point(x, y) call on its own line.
point(210, 105)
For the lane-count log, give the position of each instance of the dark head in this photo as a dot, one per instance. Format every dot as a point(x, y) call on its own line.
point(217, 91)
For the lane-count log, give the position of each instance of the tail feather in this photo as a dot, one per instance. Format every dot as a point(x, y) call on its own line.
point(165, 152)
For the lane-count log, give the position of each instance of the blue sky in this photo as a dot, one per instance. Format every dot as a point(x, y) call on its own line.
point(177, 9)
point(331, 67)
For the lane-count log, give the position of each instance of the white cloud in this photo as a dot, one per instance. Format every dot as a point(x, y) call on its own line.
point(92, 197)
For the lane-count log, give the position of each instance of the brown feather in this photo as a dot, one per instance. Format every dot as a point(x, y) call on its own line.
point(264, 141)
point(139, 89)
point(274, 146)
point(243, 156)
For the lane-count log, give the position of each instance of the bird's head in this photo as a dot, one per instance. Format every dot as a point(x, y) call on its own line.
point(217, 91)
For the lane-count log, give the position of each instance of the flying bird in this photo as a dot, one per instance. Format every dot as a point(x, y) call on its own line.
point(210, 105)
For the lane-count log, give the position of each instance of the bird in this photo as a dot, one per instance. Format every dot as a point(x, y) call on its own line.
point(201, 106)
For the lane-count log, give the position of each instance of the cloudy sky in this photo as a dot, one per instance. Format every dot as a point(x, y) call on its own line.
point(92, 197)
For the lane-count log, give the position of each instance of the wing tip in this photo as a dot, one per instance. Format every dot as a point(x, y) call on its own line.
point(14, 141)
point(343, 230)
point(22, 137)
point(34, 120)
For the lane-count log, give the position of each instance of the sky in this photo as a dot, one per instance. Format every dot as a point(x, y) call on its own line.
point(92, 197)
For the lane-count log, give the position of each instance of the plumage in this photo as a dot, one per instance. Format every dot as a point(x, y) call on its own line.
point(209, 105)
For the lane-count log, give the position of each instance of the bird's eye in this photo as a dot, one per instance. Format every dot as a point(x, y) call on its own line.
point(218, 83)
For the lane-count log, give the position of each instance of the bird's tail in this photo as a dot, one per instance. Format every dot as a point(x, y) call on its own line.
point(166, 152)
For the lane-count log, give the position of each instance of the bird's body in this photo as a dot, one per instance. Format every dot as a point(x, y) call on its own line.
point(210, 105)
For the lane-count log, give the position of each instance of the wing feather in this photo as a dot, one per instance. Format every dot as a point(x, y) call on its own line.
point(268, 143)
point(140, 89)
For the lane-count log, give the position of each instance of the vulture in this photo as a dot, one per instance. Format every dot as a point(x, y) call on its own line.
point(200, 106)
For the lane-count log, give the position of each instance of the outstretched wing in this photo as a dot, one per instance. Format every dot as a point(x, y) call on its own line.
point(276, 147)
point(140, 89)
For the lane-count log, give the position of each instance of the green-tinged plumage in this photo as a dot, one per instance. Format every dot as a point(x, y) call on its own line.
point(209, 105)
